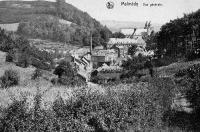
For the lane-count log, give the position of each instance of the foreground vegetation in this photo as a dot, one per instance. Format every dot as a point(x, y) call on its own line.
point(117, 108)
point(130, 105)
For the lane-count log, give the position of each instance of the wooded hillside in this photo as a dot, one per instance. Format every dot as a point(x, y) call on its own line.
point(41, 19)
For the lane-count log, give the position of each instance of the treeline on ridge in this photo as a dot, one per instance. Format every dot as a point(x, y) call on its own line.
point(180, 37)
point(48, 27)
point(41, 19)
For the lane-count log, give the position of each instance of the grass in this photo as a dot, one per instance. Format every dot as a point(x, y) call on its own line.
point(49, 45)
point(25, 73)
point(170, 70)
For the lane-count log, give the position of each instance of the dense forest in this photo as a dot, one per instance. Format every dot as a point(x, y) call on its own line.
point(41, 19)
point(180, 37)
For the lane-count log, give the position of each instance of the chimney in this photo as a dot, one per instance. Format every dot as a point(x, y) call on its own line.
point(133, 33)
point(91, 43)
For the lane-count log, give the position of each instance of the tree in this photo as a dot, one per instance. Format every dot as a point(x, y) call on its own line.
point(59, 4)
point(133, 65)
point(118, 35)
point(96, 38)
point(132, 50)
point(151, 41)
point(10, 78)
point(105, 35)
point(175, 34)
point(64, 69)
point(67, 74)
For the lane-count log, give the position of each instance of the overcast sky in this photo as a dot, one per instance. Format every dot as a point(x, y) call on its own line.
point(169, 10)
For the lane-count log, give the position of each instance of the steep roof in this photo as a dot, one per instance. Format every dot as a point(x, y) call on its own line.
point(138, 40)
point(121, 40)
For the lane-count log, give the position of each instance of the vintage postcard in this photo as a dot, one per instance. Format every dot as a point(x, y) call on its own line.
point(99, 65)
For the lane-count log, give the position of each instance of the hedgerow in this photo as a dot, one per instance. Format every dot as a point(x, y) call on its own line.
point(10, 78)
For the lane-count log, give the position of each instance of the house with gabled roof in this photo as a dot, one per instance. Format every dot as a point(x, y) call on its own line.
point(124, 43)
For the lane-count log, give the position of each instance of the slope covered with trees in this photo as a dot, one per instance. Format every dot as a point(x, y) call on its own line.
point(19, 48)
point(41, 19)
point(180, 36)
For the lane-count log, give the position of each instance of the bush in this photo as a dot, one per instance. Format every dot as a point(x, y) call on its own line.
point(37, 73)
point(132, 66)
point(191, 56)
point(193, 93)
point(9, 57)
point(10, 78)
point(190, 81)
point(24, 60)
point(19, 117)
point(67, 75)
point(181, 73)
point(40, 64)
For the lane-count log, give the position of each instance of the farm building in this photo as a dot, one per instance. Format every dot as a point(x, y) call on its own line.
point(124, 43)
point(10, 27)
point(104, 56)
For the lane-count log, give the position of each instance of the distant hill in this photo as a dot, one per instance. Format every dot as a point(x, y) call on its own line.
point(115, 26)
point(20, 11)
point(57, 21)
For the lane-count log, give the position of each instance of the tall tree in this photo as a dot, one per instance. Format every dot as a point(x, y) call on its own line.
point(59, 5)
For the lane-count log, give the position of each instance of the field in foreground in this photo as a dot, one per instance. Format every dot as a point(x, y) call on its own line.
point(137, 106)
point(141, 106)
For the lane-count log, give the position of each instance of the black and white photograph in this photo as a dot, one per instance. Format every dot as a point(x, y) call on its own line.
point(99, 65)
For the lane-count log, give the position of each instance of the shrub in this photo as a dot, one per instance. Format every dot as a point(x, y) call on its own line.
point(24, 60)
point(67, 74)
point(15, 117)
point(10, 78)
point(9, 57)
point(18, 117)
point(40, 64)
point(65, 69)
point(193, 93)
point(181, 73)
point(191, 71)
point(133, 65)
point(190, 81)
point(37, 73)
point(54, 81)
point(191, 56)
